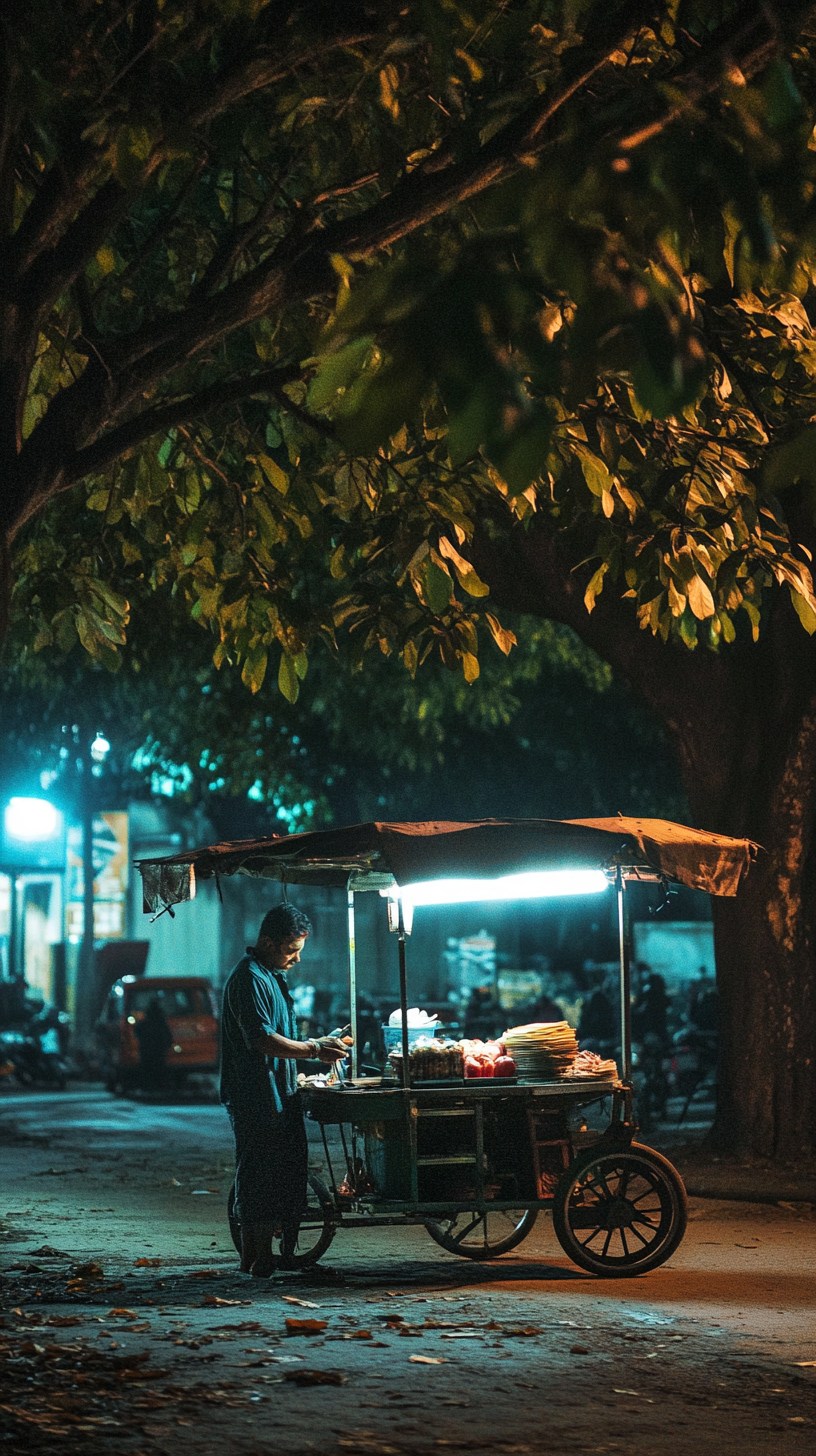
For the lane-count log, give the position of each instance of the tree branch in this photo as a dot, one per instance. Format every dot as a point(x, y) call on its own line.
point(298, 266)
point(97, 456)
point(54, 271)
point(52, 209)
point(264, 70)
point(749, 47)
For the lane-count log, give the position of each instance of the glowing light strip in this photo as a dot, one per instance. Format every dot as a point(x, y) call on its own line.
point(532, 885)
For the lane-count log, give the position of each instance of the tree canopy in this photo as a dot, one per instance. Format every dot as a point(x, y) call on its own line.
point(548, 732)
point(299, 286)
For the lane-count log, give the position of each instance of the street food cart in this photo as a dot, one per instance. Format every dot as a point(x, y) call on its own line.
point(475, 1161)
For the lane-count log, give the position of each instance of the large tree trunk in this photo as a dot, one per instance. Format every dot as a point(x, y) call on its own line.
point(743, 722)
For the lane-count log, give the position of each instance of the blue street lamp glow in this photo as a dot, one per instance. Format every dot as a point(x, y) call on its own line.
point(100, 748)
point(31, 821)
point(531, 885)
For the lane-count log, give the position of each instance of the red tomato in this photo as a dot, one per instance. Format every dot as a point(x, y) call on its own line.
point(504, 1067)
point(473, 1068)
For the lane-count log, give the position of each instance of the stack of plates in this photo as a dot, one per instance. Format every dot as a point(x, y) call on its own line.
point(542, 1051)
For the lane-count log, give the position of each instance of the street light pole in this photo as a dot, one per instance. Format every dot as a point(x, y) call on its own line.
point(85, 1009)
point(85, 967)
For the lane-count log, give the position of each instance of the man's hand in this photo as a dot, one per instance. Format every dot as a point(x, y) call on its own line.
point(330, 1049)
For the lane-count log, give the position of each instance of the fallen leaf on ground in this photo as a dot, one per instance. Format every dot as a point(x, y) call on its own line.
point(204, 1274)
point(46, 1252)
point(87, 1271)
point(213, 1299)
point(304, 1303)
point(615, 1391)
point(146, 1263)
point(123, 1314)
point(578, 1350)
point(805, 1364)
point(305, 1326)
point(426, 1360)
point(174, 1183)
point(358, 1335)
point(316, 1377)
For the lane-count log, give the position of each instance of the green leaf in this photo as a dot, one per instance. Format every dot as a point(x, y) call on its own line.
point(595, 474)
point(270, 529)
point(476, 422)
point(688, 629)
point(288, 678)
point(521, 459)
point(166, 449)
point(465, 574)
point(117, 603)
point(131, 151)
point(438, 587)
point(276, 477)
point(804, 611)
point(254, 669)
point(785, 106)
point(336, 373)
point(795, 460)
point(98, 501)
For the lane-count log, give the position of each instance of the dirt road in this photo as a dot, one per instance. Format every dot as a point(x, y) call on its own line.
point(126, 1326)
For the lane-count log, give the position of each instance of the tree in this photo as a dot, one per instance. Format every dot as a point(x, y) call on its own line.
point(585, 365)
point(548, 732)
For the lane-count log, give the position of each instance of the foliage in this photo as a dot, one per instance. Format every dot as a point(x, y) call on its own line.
point(305, 295)
point(547, 733)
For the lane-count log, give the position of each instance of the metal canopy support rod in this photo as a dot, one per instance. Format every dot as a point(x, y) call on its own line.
point(625, 981)
point(403, 990)
point(352, 950)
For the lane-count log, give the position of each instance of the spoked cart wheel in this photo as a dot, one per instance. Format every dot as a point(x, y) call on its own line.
point(620, 1213)
point(483, 1235)
point(317, 1229)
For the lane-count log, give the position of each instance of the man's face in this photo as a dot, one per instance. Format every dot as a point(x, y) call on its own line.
point(281, 955)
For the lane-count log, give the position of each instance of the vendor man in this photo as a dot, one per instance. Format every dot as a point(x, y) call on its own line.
point(259, 1050)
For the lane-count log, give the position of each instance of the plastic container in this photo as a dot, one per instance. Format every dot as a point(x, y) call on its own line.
point(392, 1036)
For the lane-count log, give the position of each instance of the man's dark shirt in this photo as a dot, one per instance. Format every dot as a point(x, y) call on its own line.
point(257, 1003)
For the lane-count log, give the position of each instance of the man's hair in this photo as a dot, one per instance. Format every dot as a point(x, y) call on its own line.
point(284, 922)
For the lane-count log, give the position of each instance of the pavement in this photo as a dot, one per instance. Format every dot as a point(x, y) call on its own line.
point(126, 1325)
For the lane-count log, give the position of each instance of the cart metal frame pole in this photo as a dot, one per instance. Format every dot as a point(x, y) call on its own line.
point(352, 955)
point(403, 990)
point(625, 979)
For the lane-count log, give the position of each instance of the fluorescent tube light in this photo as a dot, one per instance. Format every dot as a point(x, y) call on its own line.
point(532, 885)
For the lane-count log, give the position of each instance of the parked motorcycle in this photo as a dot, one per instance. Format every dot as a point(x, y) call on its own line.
point(694, 1064)
point(34, 1049)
